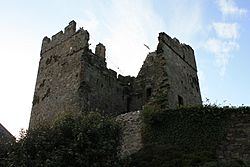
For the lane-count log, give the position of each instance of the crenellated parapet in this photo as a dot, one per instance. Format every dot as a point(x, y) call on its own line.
point(60, 37)
point(112, 73)
point(184, 51)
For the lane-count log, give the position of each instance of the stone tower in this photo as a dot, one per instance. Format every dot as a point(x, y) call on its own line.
point(168, 76)
point(71, 78)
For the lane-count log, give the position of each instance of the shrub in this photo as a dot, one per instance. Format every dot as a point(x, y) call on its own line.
point(73, 140)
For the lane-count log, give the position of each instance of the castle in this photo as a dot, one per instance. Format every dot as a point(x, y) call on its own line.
point(71, 78)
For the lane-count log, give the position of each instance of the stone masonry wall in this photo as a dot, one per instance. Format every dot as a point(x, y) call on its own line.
point(71, 78)
point(131, 138)
point(100, 89)
point(58, 76)
point(181, 72)
point(152, 81)
point(168, 77)
point(237, 143)
point(235, 146)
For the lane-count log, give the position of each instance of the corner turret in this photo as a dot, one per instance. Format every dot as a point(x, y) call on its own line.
point(100, 50)
point(185, 52)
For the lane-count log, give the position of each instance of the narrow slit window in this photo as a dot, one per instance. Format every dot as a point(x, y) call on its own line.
point(148, 93)
point(180, 100)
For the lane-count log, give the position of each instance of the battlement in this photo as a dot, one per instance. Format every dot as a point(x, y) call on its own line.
point(127, 80)
point(71, 28)
point(58, 38)
point(100, 50)
point(184, 51)
point(112, 73)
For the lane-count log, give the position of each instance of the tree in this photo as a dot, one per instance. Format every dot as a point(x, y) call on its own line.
point(73, 140)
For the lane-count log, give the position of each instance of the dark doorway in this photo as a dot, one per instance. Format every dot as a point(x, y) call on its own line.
point(180, 100)
point(148, 93)
point(128, 104)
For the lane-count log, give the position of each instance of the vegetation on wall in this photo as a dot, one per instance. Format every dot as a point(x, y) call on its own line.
point(5, 147)
point(185, 137)
point(197, 128)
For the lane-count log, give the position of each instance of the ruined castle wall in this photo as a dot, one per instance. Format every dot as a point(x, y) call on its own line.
point(146, 83)
point(58, 77)
point(100, 88)
point(182, 50)
point(237, 143)
point(181, 72)
point(73, 78)
point(168, 77)
point(235, 146)
point(131, 138)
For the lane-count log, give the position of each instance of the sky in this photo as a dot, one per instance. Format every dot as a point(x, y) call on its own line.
point(217, 30)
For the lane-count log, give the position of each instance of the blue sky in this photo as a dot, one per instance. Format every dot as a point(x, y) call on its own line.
point(218, 31)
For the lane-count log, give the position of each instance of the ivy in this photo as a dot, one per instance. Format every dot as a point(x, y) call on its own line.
point(192, 129)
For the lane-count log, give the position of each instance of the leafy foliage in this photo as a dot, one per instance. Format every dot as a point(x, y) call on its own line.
point(73, 140)
point(5, 147)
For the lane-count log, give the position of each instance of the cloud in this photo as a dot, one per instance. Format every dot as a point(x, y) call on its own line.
point(178, 22)
point(136, 24)
point(222, 51)
point(125, 26)
point(226, 30)
point(229, 8)
point(225, 41)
